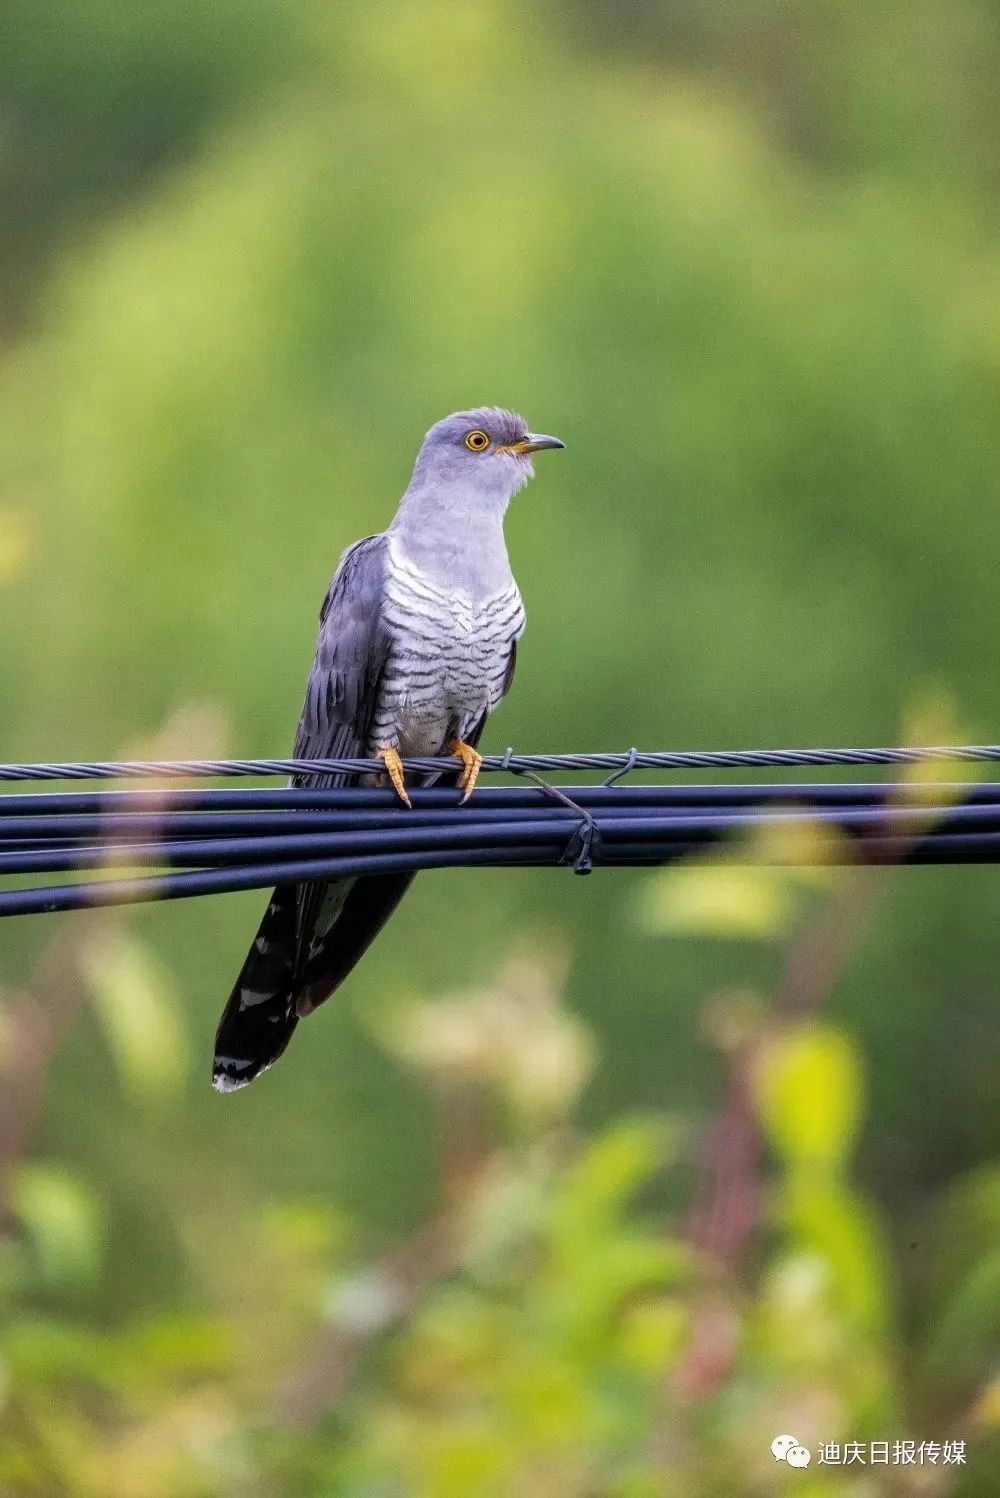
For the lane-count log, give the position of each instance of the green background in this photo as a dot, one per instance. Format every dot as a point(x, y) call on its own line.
point(745, 262)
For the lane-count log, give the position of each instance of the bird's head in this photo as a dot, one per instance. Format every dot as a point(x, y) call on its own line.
point(485, 452)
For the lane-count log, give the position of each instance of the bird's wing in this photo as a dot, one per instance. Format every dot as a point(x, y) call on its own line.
point(351, 653)
point(352, 648)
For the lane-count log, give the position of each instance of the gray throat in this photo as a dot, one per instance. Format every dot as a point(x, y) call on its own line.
point(456, 540)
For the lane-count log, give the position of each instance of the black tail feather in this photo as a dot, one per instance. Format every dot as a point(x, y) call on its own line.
point(259, 1019)
point(291, 969)
point(368, 906)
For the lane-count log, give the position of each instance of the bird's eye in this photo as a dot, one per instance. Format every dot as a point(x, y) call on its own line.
point(477, 441)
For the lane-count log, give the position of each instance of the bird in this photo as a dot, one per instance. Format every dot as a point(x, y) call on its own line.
point(417, 644)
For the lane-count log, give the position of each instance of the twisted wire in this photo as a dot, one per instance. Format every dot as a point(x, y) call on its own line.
point(658, 759)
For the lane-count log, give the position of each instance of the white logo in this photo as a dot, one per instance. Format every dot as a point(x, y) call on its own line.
point(787, 1449)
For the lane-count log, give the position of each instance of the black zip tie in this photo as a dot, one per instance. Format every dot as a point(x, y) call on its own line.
point(633, 755)
point(585, 844)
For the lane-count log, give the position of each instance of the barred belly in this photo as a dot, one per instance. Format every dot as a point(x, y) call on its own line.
point(448, 660)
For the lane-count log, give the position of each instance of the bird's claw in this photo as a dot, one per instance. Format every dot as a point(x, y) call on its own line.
point(472, 762)
point(394, 769)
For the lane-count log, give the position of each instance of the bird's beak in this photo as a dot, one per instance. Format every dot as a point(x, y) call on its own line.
point(533, 443)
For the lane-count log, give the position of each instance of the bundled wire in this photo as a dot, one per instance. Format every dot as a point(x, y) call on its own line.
point(169, 843)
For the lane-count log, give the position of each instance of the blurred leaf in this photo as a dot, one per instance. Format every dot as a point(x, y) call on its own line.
point(507, 1212)
point(304, 1230)
point(988, 1408)
point(611, 1167)
point(830, 1222)
point(137, 1004)
point(515, 1033)
point(809, 1093)
point(180, 1343)
point(463, 1457)
point(63, 1221)
point(932, 719)
point(550, 1399)
point(46, 1351)
point(965, 1334)
point(805, 853)
point(652, 1333)
point(463, 1340)
point(604, 1274)
point(717, 899)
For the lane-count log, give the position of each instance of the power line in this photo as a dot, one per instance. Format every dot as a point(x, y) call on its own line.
point(169, 842)
point(632, 759)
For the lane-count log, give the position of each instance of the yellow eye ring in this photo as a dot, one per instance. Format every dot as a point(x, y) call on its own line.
point(477, 441)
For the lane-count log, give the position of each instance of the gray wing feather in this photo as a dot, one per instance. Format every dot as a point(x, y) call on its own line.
point(351, 652)
point(352, 649)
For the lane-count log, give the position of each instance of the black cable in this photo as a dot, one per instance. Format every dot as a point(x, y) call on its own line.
point(363, 800)
point(378, 827)
point(208, 840)
point(545, 831)
point(963, 848)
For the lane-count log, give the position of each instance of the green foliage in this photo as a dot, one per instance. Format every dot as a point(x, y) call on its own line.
point(543, 1363)
point(61, 1223)
point(139, 1014)
point(809, 1095)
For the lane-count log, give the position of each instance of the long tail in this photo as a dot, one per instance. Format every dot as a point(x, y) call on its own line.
point(258, 1021)
point(273, 992)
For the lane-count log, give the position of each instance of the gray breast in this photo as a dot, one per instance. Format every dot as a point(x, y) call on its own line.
point(449, 656)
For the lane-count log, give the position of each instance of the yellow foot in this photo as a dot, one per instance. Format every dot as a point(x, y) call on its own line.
point(471, 763)
point(394, 769)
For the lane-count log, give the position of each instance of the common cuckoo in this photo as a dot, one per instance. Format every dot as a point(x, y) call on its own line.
point(417, 643)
